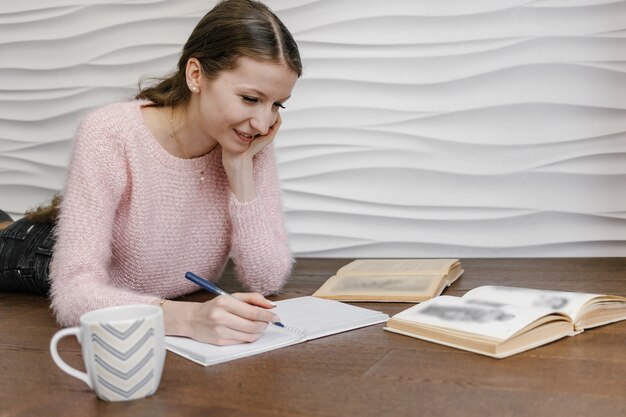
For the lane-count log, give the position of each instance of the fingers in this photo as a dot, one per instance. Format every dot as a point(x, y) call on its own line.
point(260, 142)
point(274, 128)
point(223, 335)
point(245, 305)
point(228, 320)
point(255, 299)
point(228, 336)
point(232, 326)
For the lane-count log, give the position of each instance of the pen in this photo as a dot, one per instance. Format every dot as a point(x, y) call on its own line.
point(213, 289)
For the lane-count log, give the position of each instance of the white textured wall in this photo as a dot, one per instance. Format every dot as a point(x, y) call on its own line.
point(421, 128)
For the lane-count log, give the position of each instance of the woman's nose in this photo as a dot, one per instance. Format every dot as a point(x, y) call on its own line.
point(262, 121)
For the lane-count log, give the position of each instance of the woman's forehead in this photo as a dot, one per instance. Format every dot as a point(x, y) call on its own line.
point(269, 79)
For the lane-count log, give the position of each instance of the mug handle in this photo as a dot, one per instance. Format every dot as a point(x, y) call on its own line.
point(60, 362)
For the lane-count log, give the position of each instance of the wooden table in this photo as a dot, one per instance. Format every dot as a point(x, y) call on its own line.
point(365, 372)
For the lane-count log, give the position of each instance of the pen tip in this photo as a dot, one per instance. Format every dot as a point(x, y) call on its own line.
point(279, 324)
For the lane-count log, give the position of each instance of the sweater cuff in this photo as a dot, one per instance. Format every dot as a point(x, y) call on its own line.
point(249, 218)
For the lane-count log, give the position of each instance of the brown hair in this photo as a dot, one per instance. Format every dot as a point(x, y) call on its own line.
point(232, 29)
point(46, 213)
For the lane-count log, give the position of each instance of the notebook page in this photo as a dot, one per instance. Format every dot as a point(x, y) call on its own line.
point(304, 317)
point(207, 354)
point(497, 321)
point(563, 302)
point(319, 317)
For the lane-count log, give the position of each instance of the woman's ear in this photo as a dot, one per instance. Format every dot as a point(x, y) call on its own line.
point(193, 74)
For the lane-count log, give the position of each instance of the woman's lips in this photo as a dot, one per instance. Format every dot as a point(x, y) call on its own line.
point(245, 136)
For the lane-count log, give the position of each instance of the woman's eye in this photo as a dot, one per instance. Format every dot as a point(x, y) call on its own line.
point(277, 104)
point(249, 99)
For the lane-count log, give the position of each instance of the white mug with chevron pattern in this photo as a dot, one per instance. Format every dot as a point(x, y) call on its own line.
point(123, 350)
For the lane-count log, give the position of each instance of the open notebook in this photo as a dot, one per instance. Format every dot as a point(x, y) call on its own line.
point(305, 318)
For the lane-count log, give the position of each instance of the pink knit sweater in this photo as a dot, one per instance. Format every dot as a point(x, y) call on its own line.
point(135, 218)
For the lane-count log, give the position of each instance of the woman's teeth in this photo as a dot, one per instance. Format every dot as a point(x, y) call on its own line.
point(244, 135)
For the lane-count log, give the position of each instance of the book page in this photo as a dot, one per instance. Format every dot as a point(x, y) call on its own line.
point(568, 303)
point(318, 317)
point(455, 273)
point(492, 320)
point(380, 287)
point(397, 266)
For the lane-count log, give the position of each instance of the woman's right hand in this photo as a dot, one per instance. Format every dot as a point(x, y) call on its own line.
point(239, 167)
point(224, 320)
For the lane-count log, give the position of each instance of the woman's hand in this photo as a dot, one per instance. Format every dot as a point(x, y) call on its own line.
point(260, 142)
point(239, 167)
point(224, 320)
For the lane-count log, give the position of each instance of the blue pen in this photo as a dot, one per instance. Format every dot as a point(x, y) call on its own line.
point(213, 289)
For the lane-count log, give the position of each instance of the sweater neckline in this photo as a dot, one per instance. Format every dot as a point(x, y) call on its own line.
point(162, 155)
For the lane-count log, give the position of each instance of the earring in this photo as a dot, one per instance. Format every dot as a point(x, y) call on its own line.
point(193, 88)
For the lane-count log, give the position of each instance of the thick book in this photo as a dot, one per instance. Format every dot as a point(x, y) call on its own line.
point(305, 318)
point(391, 280)
point(501, 321)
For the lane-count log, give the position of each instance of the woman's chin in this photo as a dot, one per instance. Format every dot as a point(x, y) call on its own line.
point(236, 148)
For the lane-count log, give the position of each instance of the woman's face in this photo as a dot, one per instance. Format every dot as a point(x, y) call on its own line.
point(241, 104)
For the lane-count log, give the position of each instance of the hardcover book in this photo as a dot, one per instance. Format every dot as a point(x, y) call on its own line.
point(391, 280)
point(501, 321)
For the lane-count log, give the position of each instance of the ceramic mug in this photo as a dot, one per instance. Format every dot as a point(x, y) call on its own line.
point(123, 349)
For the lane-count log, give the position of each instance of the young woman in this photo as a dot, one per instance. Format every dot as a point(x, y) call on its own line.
point(180, 178)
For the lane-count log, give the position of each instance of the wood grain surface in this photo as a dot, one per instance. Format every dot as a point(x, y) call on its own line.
point(365, 372)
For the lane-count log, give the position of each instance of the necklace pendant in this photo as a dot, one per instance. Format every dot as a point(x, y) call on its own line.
point(201, 175)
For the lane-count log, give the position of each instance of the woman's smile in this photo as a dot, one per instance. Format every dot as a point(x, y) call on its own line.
point(244, 136)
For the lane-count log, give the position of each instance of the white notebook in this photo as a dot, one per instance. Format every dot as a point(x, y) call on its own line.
point(305, 318)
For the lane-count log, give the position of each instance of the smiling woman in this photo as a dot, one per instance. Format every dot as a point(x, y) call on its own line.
point(237, 110)
point(180, 178)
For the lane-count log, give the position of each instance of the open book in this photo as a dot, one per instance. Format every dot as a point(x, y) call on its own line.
point(305, 318)
point(502, 321)
point(395, 280)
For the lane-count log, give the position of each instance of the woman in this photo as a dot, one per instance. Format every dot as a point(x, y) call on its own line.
point(180, 178)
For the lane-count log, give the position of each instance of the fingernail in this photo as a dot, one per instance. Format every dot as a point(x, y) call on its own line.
point(272, 303)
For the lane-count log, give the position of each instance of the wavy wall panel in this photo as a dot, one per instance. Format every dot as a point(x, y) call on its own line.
point(483, 128)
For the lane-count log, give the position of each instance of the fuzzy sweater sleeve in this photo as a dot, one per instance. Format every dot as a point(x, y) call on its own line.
point(95, 185)
point(259, 242)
